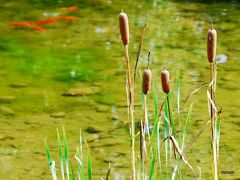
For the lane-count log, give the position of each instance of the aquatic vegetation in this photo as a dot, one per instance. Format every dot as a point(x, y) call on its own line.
point(168, 130)
point(64, 161)
point(172, 149)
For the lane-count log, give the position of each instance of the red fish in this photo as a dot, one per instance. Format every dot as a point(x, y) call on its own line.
point(27, 25)
point(47, 21)
point(71, 8)
point(68, 18)
point(37, 28)
point(34, 25)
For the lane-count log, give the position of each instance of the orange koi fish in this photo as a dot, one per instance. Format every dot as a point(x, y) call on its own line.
point(68, 18)
point(71, 8)
point(47, 21)
point(35, 25)
point(37, 28)
point(27, 25)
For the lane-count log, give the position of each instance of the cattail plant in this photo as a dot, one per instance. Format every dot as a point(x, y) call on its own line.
point(165, 79)
point(211, 53)
point(146, 87)
point(146, 81)
point(169, 129)
point(211, 44)
point(124, 31)
point(124, 28)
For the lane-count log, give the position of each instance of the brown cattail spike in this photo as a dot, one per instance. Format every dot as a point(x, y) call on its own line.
point(211, 44)
point(165, 81)
point(146, 81)
point(124, 28)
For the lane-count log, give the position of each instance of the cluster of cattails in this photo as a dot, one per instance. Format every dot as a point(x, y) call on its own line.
point(146, 80)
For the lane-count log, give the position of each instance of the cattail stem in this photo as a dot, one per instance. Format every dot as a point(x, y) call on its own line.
point(170, 115)
point(146, 117)
point(213, 122)
point(142, 146)
point(124, 30)
point(128, 69)
point(211, 93)
point(128, 73)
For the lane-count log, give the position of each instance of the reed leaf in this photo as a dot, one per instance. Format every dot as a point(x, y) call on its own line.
point(159, 151)
point(72, 172)
point(108, 172)
point(178, 91)
point(180, 152)
point(65, 146)
point(194, 91)
point(60, 155)
point(153, 164)
point(79, 166)
point(50, 162)
point(218, 127)
point(171, 120)
point(138, 55)
point(155, 127)
point(187, 124)
point(89, 170)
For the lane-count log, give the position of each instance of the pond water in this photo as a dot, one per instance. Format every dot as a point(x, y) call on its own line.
point(37, 68)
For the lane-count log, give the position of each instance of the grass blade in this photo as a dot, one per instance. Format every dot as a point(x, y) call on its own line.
point(50, 162)
point(159, 150)
point(79, 166)
point(60, 155)
point(170, 117)
point(89, 163)
point(66, 152)
point(187, 124)
point(178, 91)
point(72, 172)
point(153, 164)
point(218, 127)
